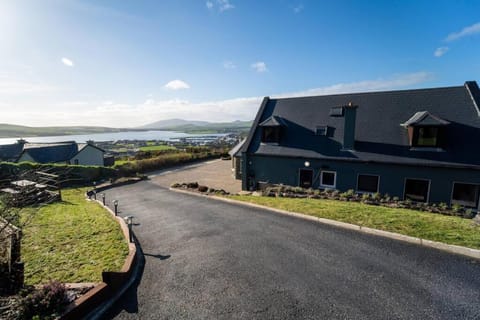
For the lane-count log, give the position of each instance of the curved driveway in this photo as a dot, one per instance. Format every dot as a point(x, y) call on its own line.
point(206, 259)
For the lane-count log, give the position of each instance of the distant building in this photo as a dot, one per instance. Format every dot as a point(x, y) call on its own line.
point(11, 152)
point(421, 144)
point(68, 152)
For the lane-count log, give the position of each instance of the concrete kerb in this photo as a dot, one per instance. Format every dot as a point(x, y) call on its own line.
point(100, 298)
point(469, 252)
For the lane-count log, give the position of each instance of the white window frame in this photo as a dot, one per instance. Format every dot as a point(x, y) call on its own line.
point(452, 202)
point(367, 174)
point(421, 179)
point(334, 179)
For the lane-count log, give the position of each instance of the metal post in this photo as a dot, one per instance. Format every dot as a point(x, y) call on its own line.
point(115, 204)
point(95, 194)
point(103, 198)
point(129, 221)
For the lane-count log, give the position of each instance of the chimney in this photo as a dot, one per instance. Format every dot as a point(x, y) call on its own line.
point(349, 126)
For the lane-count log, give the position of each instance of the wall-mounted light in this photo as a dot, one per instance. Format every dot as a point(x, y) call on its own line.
point(307, 164)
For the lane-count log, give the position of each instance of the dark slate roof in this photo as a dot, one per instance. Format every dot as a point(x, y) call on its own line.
point(235, 150)
point(379, 135)
point(10, 152)
point(273, 121)
point(51, 152)
point(425, 118)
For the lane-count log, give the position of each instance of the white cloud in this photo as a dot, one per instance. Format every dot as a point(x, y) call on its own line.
point(395, 82)
point(229, 65)
point(467, 31)
point(12, 86)
point(177, 85)
point(222, 5)
point(298, 8)
point(106, 113)
point(259, 66)
point(440, 51)
point(67, 62)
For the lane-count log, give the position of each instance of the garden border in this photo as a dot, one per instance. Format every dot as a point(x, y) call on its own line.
point(465, 251)
point(100, 298)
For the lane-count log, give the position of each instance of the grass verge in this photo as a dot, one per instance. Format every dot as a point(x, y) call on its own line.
point(436, 227)
point(71, 241)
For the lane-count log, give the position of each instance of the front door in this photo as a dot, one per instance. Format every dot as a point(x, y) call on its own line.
point(306, 176)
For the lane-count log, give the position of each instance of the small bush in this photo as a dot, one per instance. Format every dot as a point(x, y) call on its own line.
point(47, 302)
point(202, 188)
point(192, 185)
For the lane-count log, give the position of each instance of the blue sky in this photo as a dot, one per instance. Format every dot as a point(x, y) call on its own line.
point(128, 63)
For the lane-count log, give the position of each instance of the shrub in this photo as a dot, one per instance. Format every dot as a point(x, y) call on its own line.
point(202, 188)
point(47, 302)
point(457, 208)
point(443, 206)
point(192, 185)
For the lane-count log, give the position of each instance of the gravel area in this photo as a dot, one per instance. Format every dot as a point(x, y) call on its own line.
point(214, 174)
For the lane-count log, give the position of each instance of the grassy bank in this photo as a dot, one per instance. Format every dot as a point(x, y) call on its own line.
point(71, 241)
point(436, 227)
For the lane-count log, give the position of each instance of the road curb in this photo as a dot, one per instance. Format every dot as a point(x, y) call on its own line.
point(464, 251)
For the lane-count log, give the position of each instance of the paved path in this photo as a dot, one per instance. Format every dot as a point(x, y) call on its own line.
point(214, 174)
point(206, 259)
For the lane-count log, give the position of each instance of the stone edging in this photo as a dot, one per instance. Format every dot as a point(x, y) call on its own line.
point(96, 301)
point(472, 253)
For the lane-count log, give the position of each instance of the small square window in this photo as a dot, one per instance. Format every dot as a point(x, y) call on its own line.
point(417, 189)
point(321, 131)
point(367, 183)
point(328, 179)
point(465, 194)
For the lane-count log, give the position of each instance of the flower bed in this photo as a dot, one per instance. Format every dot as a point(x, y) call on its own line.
point(368, 198)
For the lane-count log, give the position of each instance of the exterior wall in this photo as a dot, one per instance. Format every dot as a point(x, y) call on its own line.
point(392, 177)
point(89, 156)
point(25, 157)
point(237, 167)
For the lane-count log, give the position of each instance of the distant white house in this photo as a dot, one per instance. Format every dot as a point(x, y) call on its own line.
point(68, 152)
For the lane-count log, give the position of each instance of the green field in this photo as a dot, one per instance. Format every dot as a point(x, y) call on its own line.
point(436, 227)
point(71, 241)
point(157, 148)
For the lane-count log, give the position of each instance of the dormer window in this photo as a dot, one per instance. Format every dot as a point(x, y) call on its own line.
point(272, 129)
point(427, 137)
point(321, 131)
point(271, 134)
point(426, 130)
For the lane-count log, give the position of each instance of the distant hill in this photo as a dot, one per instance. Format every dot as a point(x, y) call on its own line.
point(12, 131)
point(170, 123)
point(189, 126)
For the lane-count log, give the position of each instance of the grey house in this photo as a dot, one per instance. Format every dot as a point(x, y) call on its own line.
point(68, 152)
point(422, 144)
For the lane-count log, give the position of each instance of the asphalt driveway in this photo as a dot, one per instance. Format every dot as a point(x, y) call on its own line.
point(206, 259)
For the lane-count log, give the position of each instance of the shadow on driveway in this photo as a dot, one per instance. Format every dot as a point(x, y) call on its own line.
point(128, 302)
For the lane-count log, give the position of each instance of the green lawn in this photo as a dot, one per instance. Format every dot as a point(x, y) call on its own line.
point(436, 227)
point(71, 241)
point(157, 148)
